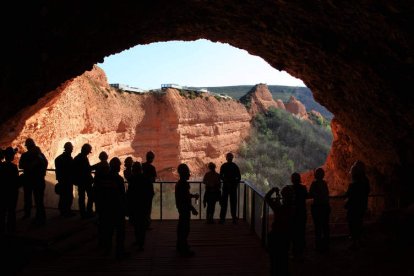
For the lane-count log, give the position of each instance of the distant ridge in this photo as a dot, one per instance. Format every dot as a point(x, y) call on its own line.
point(282, 92)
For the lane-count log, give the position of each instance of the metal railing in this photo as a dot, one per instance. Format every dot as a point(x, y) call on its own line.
point(251, 206)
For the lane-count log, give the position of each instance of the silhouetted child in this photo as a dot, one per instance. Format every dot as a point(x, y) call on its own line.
point(299, 229)
point(280, 236)
point(113, 209)
point(212, 192)
point(320, 210)
point(9, 177)
point(139, 196)
point(185, 208)
point(357, 203)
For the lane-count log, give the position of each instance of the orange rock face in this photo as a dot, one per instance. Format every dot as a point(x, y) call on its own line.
point(87, 110)
point(296, 107)
point(261, 100)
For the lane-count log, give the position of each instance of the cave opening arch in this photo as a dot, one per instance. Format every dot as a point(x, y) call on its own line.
point(351, 68)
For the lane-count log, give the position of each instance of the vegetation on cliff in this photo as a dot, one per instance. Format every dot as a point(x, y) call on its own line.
point(303, 94)
point(279, 145)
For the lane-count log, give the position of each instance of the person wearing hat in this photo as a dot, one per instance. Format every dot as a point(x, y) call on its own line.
point(9, 176)
point(64, 176)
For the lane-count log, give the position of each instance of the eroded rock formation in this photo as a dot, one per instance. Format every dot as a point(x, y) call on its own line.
point(259, 99)
point(295, 107)
point(87, 110)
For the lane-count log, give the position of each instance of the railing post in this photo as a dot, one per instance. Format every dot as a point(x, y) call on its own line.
point(264, 224)
point(238, 201)
point(199, 201)
point(244, 202)
point(161, 200)
point(252, 211)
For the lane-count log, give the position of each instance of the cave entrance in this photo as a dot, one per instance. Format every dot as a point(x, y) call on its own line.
point(135, 115)
point(224, 71)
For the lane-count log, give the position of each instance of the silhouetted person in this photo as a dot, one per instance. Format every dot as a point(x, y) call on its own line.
point(212, 192)
point(230, 175)
point(64, 175)
point(128, 168)
point(9, 179)
point(34, 165)
point(320, 210)
point(100, 179)
point(357, 203)
point(280, 236)
point(139, 196)
point(101, 175)
point(84, 180)
point(150, 173)
point(185, 208)
point(299, 220)
point(113, 209)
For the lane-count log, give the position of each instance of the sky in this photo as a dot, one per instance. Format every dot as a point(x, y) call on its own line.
point(199, 63)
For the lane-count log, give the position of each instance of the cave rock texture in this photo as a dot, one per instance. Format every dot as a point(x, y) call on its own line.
point(356, 57)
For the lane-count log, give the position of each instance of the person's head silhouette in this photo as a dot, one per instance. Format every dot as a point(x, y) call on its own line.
point(295, 178)
point(115, 164)
point(229, 157)
point(128, 162)
point(212, 166)
point(86, 149)
point(150, 156)
point(9, 153)
point(184, 171)
point(30, 144)
point(103, 156)
point(319, 174)
point(68, 147)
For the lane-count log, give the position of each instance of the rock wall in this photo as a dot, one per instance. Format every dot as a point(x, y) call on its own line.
point(260, 99)
point(87, 110)
point(295, 107)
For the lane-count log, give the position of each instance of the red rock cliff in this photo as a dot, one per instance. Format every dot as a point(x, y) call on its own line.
point(87, 110)
point(261, 99)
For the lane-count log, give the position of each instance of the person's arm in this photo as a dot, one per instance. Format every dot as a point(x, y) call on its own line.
point(238, 175)
point(222, 169)
point(268, 197)
point(311, 193)
point(22, 161)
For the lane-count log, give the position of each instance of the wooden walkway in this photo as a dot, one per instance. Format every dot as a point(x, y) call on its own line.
point(69, 247)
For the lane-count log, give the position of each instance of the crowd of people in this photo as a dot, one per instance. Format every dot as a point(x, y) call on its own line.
point(102, 185)
point(289, 221)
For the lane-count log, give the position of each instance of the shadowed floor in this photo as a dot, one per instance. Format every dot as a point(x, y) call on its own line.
point(69, 247)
